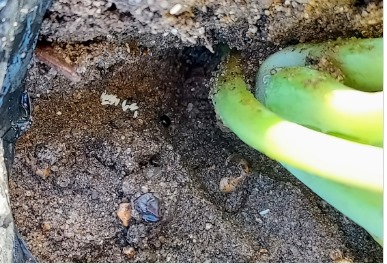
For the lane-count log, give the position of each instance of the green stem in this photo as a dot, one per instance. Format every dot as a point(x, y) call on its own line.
point(314, 99)
point(360, 60)
point(329, 157)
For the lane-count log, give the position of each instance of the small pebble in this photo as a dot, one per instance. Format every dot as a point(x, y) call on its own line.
point(175, 10)
point(148, 206)
point(264, 212)
point(94, 195)
point(335, 254)
point(253, 29)
point(165, 121)
point(68, 60)
point(162, 239)
point(124, 213)
point(344, 260)
point(208, 226)
point(157, 244)
point(46, 226)
point(129, 252)
point(44, 173)
point(189, 107)
point(152, 172)
point(144, 189)
point(59, 113)
point(229, 185)
point(263, 251)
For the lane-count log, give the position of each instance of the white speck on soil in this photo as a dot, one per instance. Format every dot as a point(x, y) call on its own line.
point(264, 212)
point(208, 226)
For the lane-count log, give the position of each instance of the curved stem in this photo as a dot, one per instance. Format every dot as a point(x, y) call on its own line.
point(329, 157)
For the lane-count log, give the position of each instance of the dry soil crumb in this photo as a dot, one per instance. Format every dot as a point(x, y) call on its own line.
point(99, 157)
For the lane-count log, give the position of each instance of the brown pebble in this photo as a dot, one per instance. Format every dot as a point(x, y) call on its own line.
point(336, 254)
point(46, 226)
point(343, 260)
point(44, 173)
point(229, 185)
point(263, 251)
point(124, 213)
point(68, 60)
point(129, 252)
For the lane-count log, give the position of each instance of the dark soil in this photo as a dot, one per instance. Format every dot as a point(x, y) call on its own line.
point(81, 159)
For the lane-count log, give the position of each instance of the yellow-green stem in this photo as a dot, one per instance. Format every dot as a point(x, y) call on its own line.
point(329, 157)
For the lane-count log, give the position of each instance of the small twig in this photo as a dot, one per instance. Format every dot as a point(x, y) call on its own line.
point(46, 54)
